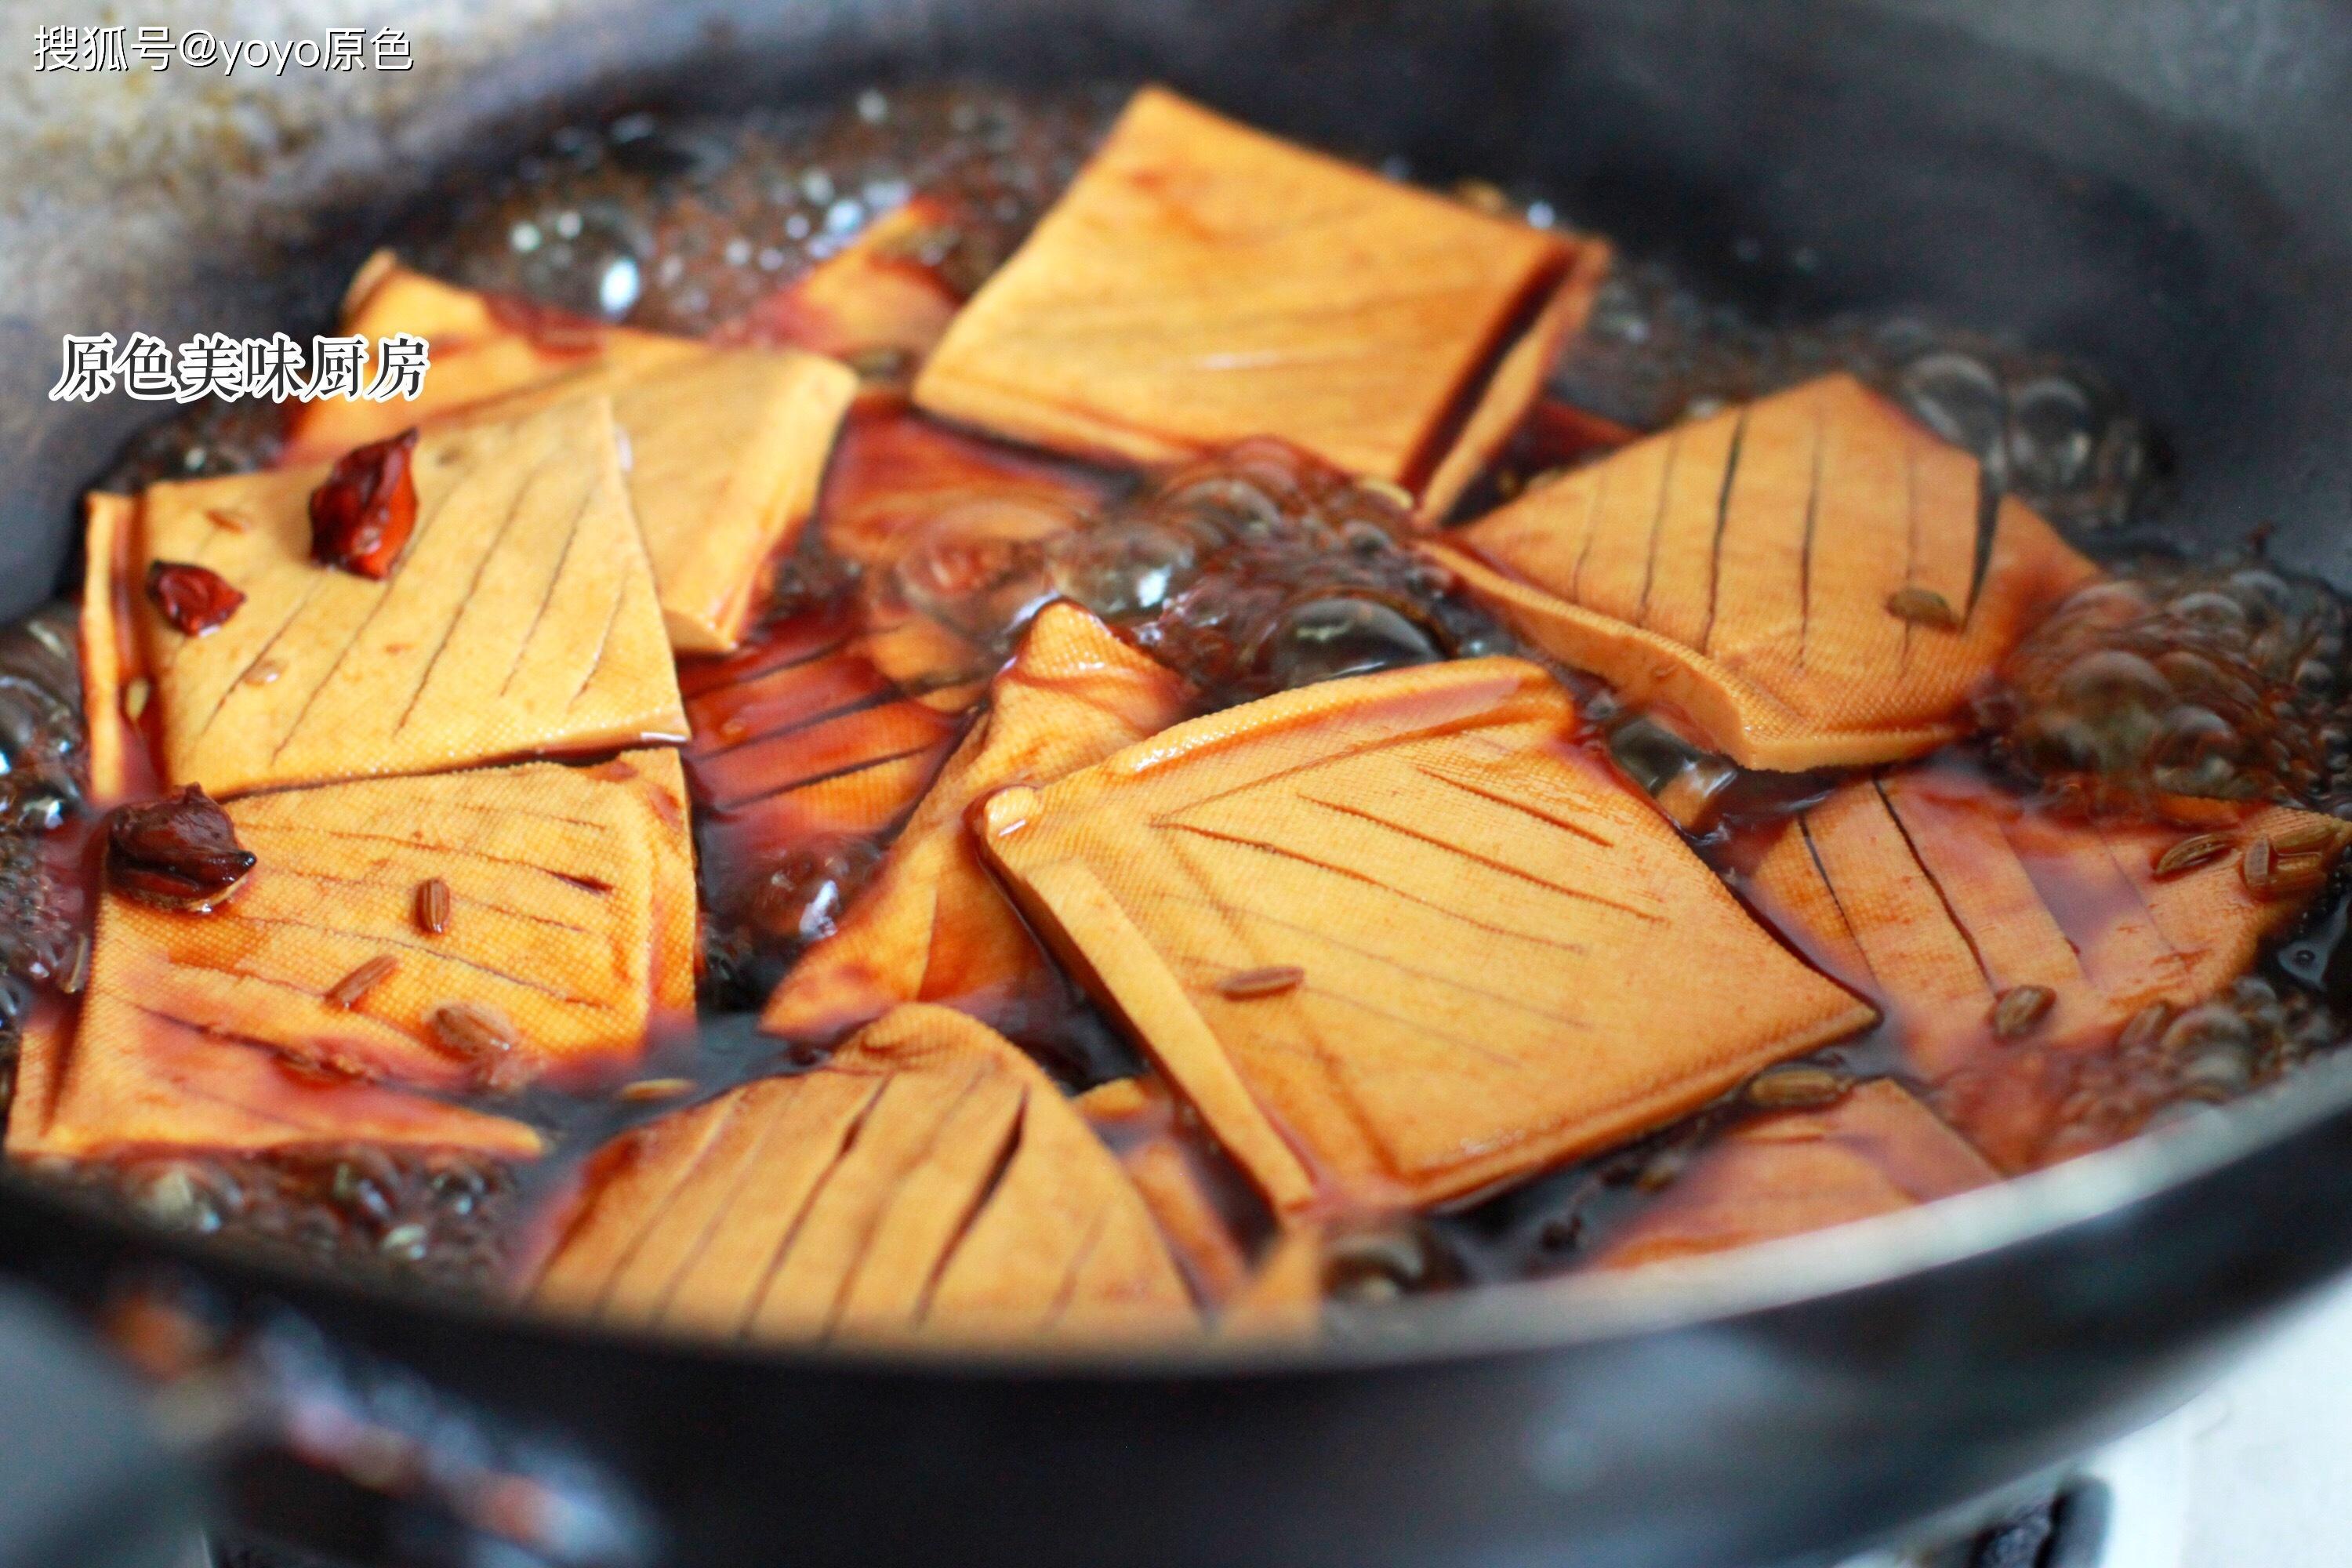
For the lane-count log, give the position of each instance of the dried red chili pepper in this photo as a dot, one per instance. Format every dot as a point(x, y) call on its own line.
point(196, 599)
point(362, 515)
point(180, 853)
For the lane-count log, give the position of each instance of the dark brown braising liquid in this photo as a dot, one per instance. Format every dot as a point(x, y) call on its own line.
point(1249, 571)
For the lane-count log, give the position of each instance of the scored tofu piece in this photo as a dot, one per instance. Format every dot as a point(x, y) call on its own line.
point(1934, 890)
point(521, 618)
point(1401, 937)
point(725, 448)
point(1777, 572)
point(1200, 283)
point(186, 1089)
point(928, 1178)
point(1878, 1151)
point(802, 741)
point(932, 926)
point(570, 923)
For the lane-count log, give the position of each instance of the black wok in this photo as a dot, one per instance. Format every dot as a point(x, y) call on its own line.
point(2163, 188)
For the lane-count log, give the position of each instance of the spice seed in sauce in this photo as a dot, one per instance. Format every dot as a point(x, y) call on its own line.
point(77, 970)
point(221, 517)
point(2146, 1025)
point(1251, 984)
point(2016, 1010)
point(1797, 1087)
point(2282, 876)
point(2190, 853)
point(2307, 837)
point(262, 673)
point(647, 1090)
point(1923, 607)
point(135, 698)
point(433, 906)
point(351, 987)
point(470, 1030)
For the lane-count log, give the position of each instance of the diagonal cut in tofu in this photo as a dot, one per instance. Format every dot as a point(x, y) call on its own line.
point(877, 295)
point(570, 917)
point(928, 1177)
point(1933, 890)
point(725, 448)
point(521, 618)
point(1492, 934)
point(1877, 1151)
point(1202, 282)
point(1740, 569)
point(185, 1088)
point(932, 926)
point(802, 740)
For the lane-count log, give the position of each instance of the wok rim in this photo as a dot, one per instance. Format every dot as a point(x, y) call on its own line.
point(1504, 1319)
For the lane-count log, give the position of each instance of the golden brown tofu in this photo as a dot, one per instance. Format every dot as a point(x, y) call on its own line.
point(801, 742)
point(878, 297)
point(1936, 892)
point(184, 1088)
point(726, 455)
point(566, 907)
point(1401, 937)
point(1806, 578)
point(484, 348)
point(1202, 282)
point(932, 926)
point(928, 1178)
point(118, 757)
point(1875, 1151)
point(726, 449)
point(521, 618)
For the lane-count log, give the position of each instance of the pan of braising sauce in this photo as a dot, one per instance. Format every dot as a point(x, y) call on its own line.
point(1311, 786)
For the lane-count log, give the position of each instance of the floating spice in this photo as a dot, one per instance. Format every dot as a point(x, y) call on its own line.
point(480, 1035)
point(222, 517)
point(2016, 1010)
point(263, 672)
point(1797, 1087)
point(351, 987)
point(1251, 984)
point(2145, 1026)
point(134, 697)
point(180, 853)
point(651, 1091)
point(2270, 873)
point(195, 599)
point(77, 970)
point(364, 512)
point(1923, 607)
point(2190, 853)
point(433, 906)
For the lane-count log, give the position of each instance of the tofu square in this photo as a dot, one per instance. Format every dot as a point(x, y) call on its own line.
point(1202, 282)
point(571, 920)
point(1400, 938)
point(519, 620)
point(725, 448)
